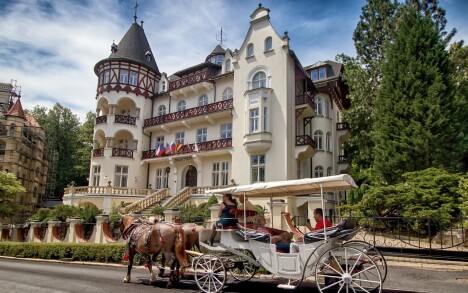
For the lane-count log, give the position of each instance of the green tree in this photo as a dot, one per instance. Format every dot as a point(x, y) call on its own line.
point(9, 188)
point(84, 149)
point(414, 129)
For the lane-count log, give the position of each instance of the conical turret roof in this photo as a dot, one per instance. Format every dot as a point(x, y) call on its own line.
point(133, 47)
point(16, 110)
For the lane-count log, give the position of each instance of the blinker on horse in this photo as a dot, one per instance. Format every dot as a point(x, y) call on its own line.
point(147, 239)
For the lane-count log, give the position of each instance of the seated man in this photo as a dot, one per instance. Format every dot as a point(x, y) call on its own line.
point(249, 208)
point(280, 240)
point(318, 217)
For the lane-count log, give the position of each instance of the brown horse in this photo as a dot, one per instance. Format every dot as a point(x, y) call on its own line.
point(147, 239)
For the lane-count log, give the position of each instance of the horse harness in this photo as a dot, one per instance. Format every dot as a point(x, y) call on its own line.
point(138, 229)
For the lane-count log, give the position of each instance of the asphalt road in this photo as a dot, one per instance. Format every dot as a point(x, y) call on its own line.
point(18, 275)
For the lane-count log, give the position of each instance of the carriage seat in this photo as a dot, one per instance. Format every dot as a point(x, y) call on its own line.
point(338, 231)
point(254, 235)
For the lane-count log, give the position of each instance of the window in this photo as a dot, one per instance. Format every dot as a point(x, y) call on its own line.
point(219, 59)
point(318, 139)
point(226, 130)
point(318, 172)
point(328, 142)
point(220, 174)
point(161, 110)
point(106, 76)
point(254, 116)
point(227, 66)
point(224, 173)
point(133, 78)
point(215, 175)
point(314, 74)
point(180, 137)
point(268, 44)
point(181, 105)
point(12, 129)
point(250, 50)
point(327, 108)
point(227, 94)
point(96, 175)
point(123, 76)
point(329, 171)
point(2, 150)
point(159, 141)
point(318, 106)
point(121, 176)
point(257, 168)
point(201, 135)
point(322, 73)
point(161, 178)
point(203, 100)
point(123, 144)
point(259, 80)
point(163, 86)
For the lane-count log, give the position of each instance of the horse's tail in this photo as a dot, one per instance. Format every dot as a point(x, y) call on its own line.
point(180, 254)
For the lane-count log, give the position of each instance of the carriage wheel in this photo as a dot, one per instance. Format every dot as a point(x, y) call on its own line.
point(347, 269)
point(210, 273)
point(240, 268)
point(373, 252)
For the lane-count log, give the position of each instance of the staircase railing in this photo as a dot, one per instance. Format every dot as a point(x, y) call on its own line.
point(148, 201)
point(186, 193)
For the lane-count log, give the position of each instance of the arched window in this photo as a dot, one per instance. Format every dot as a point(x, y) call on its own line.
point(250, 50)
point(203, 100)
point(328, 141)
point(181, 105)
point(329, 171)
point(2, 149)
point(227, 94)
point(318, 106)
point(318, 172)
point(161, 110)
point(12, 129)
point(227, 66)
point(318, 136)
point(259, 80)
point(268, 44)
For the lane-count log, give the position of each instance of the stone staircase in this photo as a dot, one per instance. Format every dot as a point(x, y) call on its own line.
point(146, 205)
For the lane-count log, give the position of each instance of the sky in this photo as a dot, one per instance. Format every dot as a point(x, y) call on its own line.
point(49, 47)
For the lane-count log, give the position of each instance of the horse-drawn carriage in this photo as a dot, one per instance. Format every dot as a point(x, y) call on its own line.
point(329, 255)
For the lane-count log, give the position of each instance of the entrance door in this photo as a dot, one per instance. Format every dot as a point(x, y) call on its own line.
point(191, 176)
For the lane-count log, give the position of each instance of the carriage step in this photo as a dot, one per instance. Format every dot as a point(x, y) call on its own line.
point(286, 286)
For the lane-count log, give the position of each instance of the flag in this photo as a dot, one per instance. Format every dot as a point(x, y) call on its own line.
point(168, 150)
point(196, 147)
point(179, 146)
point(173, 147)
point(161, 150)
point(156, 151)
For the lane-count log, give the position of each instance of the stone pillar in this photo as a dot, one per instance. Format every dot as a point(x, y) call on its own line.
point(71, 233)
point(14, 232)
point(98, 230)
point(32, 225)
point(276, 209)
point(169, 215)
point(49, 234)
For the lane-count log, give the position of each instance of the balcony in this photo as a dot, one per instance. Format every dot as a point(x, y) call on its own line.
point(305, 105)
point(118, 152)
point(305, 147)
point(101, 119)
point(125, 119)
point(343, 164)
point(190, 148)
point(189, 113)
point(257, 142)
point(197, 77)
point(343, 131)
point(98, 152)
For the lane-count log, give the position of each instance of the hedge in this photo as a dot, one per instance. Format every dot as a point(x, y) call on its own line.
point(112, 253)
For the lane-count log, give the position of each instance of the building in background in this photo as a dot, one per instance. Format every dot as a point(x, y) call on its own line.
point(22, 149)
point(241, 116)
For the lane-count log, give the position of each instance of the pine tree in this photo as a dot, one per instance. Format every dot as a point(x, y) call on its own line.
point(413, 129)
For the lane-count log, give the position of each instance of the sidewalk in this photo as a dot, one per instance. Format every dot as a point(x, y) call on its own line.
point(426, 263)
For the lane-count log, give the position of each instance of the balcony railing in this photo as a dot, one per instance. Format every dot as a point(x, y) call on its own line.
point(189, 80)
point(101, 119)
point(342, 126)
point(190, 148)
point(197, 111)
point(118, 152)
point(125, 119)
point(305, 140)
point(342, 159)
point(98, 152)
point(305, 99)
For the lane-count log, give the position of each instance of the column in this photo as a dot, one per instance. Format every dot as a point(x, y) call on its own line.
point(99, 233)
point(276, 209)
point(32, 227)
point(49, 234)
point(71, 233)
point(169, 215)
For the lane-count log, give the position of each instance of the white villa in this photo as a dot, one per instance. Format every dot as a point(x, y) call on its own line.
point(239, 116)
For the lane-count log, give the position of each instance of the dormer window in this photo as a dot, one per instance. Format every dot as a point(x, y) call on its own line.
point(320, 73)
point(227, 66)
point(219, 59)
point(163, 86)
point(268, 44)
point(148, 55)
point(250, 50)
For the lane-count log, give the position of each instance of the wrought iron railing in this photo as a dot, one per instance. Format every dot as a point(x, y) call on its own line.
point(125, 119)
point(98, 152)
point(342, 159)
point(191, 148)
point(343, 126)
point(188, 113)
point(118, 152)
point(101, 119)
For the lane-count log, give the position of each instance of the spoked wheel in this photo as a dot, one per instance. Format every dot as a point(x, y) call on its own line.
point(240, 268)
point(373, 252)
point(347, 269)
point(210, 273)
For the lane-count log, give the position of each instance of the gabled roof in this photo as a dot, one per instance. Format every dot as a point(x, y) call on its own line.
point(133, 47)
point(218, 50)
point(31, 121)
point(16, 110)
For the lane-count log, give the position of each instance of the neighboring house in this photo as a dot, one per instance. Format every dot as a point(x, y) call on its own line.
point(241, 116)
point(22, 150)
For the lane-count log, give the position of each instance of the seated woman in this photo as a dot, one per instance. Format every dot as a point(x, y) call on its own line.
point(281, 240)
point(225, 217)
